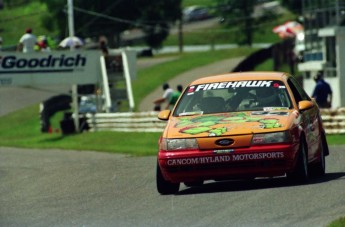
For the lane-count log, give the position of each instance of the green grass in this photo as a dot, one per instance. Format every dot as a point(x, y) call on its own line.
point(22, 128)
point(337, 223)
point(14, 21)
point(153, 77)
point(186, 3)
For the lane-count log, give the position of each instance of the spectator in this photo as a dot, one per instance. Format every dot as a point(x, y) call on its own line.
point(175, 95)
point(165, 98)
point(179, 88)
point(43, 44)
point(27, 42)
point(103, 45)
point(322, 92)
point(1, 43)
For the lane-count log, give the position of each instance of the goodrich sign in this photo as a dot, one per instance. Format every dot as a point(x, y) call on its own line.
point(59, 67)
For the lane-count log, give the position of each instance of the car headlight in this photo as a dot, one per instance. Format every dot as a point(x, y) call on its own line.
point(273, 137)
point(178, 144)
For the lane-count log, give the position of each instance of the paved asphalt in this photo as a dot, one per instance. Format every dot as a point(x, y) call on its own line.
point(72, 188)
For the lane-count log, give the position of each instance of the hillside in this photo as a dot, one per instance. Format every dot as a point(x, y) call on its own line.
point(15, 19)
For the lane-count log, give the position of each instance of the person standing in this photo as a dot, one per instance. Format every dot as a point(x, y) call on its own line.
point(168, 92)
point(27, 42)
point(322, 92)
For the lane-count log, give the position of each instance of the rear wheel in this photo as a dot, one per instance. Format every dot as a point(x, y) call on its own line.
point(165, 187)
point(300, 173)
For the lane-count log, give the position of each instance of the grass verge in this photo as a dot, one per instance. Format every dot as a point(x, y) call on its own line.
point(337, 223)
point(22, 128)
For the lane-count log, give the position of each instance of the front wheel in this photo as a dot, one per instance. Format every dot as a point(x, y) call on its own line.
point(165, 187)
point(300, 173)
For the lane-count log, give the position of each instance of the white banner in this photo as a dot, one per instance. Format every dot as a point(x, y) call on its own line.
point(58, 67)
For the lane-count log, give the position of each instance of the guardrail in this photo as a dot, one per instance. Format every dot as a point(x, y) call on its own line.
point(333, 121)
point(125, 122)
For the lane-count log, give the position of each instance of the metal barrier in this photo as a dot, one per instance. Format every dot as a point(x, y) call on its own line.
point(333, 121)
point(126, 122)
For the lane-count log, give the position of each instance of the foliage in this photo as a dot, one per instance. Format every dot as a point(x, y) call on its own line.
point(14, 21)
point(110, 18)
point(207, 3)
point(158, 19)
point(294, 6)
point(241, 14)
point(337, 223)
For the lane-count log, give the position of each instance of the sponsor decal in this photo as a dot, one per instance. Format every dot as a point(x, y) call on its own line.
point(224, 158)
point(212, 124)
point(191, 90)
point(62, 63)
point(232, 84)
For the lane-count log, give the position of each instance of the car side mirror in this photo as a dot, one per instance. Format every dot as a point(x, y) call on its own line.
point(164, 115)
point(305, 105)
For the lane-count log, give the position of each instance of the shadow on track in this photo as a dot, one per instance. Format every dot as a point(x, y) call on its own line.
point(260, 183)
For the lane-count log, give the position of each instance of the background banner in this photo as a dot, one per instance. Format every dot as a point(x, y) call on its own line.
point(58, 67)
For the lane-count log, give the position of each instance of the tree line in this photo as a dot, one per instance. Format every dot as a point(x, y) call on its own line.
point(110, 18)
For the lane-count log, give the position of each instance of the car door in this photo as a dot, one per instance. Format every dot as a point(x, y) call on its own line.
point(309, 118)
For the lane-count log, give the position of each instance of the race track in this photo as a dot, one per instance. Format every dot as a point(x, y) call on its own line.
point(71, 188)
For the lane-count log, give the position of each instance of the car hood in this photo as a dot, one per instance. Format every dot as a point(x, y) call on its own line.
point(226, 124)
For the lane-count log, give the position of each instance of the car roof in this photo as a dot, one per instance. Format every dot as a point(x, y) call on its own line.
point(244, 76)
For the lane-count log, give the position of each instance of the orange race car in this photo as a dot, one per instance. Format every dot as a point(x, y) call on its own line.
point(241, 125)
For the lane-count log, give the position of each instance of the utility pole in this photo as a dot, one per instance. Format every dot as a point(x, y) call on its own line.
point(74, 86)
point(180, 31)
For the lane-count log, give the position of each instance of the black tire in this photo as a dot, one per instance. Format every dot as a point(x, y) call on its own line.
point(324, 144)
point(165, 187)
point(194, 183)
point(301, 173)
point(319, 168)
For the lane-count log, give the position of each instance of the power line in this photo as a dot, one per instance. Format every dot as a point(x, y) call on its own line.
point(105, 11)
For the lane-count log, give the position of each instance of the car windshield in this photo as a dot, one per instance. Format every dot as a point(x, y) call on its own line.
point(233, 96)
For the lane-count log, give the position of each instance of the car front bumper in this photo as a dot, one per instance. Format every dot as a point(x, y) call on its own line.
point(255, 161)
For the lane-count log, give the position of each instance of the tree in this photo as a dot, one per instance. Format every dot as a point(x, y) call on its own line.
point(110, 18)
point(156, 20)
point(240, 15)
point(294, 6)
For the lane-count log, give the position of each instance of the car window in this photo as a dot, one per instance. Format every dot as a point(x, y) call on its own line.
point(297, 90)
point(233, 96)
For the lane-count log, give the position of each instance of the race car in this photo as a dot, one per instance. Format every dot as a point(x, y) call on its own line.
point(241, 126)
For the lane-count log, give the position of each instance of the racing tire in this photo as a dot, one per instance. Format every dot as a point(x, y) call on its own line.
point(324, 144)
point(194, 183)
point(165, 187)
point(301, 172)
point(319, 168)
